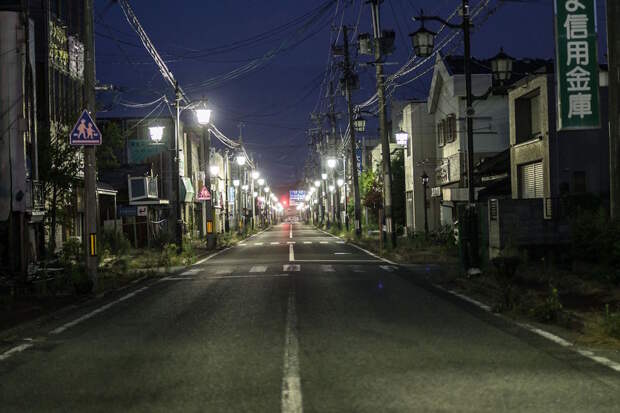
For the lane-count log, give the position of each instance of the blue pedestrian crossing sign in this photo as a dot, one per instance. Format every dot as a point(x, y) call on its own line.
point(85, 132)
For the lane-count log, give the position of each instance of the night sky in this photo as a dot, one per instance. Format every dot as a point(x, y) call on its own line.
point(202, 39)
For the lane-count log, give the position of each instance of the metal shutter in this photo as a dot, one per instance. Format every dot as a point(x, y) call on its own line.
point(531, 180)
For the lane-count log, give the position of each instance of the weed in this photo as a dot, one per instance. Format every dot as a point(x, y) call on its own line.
point(611, 323)
point(550, 309)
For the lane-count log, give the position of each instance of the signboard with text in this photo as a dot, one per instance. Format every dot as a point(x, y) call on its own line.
point(576, 64)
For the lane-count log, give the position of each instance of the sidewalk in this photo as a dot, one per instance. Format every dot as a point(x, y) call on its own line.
point(20, 310)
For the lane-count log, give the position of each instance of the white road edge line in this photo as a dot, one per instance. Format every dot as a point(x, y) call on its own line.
point(93, 313)
point(291, 382)
point(542, 333)
point(210, 256)
point(291, 253)
point(360, 248)
point(15, 350)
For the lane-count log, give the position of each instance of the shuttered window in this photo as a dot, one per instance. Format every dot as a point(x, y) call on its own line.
point(531, 180)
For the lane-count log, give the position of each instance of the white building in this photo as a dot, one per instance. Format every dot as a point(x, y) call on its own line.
point(420, 157)
point(447, 105)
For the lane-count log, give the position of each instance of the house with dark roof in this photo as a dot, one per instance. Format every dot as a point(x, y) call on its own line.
point(447, 105)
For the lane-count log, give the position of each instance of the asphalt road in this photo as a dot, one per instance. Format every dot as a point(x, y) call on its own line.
point(293, 320)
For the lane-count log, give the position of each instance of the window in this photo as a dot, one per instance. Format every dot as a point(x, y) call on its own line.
point(440, 133)
point(527, 117)
point(531, 180)
point(451, 126)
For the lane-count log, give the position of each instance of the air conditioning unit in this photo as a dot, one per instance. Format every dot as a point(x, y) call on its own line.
point(142, 188)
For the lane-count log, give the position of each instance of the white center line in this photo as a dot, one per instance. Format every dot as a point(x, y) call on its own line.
point(291, 383)
point(291, 253)
point(324, 242)
point(275, 243)
point(307, 242)
point(290, 235)
point(258, 243)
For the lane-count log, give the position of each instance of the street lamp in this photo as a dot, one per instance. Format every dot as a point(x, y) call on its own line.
point(340, 182)
point(423, 41)
point(241, 159)
point(402, 137)
point(425, 184)
point(317, 183)
point(331, 163)
point(267, 189)
point(203, 115)
point(235, 183)
point(255, 174)
point(332, 188)
point(157, 133)
point(501, 66)
point(244, 187)
point(261, 182)
point(324, 176)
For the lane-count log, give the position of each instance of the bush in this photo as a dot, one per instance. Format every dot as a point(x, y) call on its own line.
point(167, 254)
point(595, 238)
point(611, 323)
point(115, 242)
point(79, 278)
point(550, 310)
point(71, 251)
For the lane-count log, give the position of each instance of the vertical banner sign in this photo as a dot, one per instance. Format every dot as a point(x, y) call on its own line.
point(577, 64)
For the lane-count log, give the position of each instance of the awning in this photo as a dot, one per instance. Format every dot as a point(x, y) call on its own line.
point(187, 190)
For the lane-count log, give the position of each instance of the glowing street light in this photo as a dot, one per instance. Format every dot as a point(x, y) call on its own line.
point(235, 183)
point(317, 183)
point(157, 133)
point(203, 115)
point(324, 176)
point(261, 182)
point(214, 170)
point(241, 159)
point(340, 182)
point(331, 163)
point(255, 174)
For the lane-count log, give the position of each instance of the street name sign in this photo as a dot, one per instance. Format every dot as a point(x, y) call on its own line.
point(85, 132)
point(576, 65)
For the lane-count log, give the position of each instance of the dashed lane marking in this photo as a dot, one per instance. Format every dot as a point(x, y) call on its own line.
point(258, 244)
point(291, 253)
point(291, 382)
point(221, 271)
point(307, 242)
point(258, 268)
point(275, 243)
point(323, 242)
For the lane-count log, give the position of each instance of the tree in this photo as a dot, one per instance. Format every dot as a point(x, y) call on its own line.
point(398, 189)
point(112, 142)
point(371, 189)
point(60, 165)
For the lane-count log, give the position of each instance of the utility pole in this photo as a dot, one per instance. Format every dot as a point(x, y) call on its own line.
point(471, 195)
point(613, 53)
point(356, 189)
point(208, 204)
point(90, 161)
point(385, 140)
point(332, 152)
point(177, 169)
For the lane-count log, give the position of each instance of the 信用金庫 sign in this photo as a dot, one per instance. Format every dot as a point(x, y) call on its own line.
point(576, 63)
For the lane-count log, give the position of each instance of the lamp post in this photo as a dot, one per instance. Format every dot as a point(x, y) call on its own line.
point(425, 185)
point(240, 160)
point(203, 116)
point(255, 175)
point(423, 43)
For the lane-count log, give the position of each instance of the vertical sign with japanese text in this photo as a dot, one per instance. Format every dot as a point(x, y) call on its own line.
point(577, 64)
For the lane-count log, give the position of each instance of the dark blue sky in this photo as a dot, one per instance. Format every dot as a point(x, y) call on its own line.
point(275, 100)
